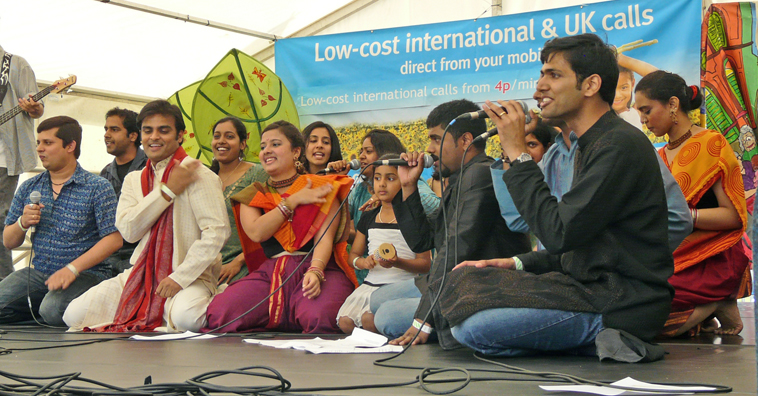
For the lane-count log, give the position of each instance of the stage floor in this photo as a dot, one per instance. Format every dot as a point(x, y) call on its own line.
point(728, 360)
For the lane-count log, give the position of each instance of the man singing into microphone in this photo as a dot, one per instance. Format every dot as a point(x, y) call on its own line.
point(75, 229)
point(472, 219)
point(601, 285)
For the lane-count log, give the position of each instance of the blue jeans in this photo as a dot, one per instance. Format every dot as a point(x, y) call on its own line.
point(394, 307)
point(49, 305)
point(528, 331)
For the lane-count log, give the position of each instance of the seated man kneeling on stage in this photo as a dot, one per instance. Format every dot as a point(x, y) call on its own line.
point(175, 209)
point(74, 217)
point(603, 278)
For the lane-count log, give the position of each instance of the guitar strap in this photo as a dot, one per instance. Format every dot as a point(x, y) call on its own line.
point(5, 70)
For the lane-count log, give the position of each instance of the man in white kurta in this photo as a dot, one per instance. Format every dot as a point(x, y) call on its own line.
point(200, 228)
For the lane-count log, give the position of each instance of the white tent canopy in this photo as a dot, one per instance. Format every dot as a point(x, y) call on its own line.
point(117, 49)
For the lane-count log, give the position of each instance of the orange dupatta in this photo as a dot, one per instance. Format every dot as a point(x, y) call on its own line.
point(704, 159)
point(306, 222)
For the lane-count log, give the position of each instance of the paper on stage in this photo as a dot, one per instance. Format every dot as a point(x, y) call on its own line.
point(361, 341)
point(173, 336)
point(630, 383)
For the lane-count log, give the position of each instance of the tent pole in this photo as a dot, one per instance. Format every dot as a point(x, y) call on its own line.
point(189, 18)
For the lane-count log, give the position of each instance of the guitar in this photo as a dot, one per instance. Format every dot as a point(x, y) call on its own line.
point(57, 86)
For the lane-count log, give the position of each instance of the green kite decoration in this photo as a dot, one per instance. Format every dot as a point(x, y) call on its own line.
point(238, 86)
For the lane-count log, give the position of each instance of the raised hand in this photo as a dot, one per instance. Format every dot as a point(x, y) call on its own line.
point(342, 166)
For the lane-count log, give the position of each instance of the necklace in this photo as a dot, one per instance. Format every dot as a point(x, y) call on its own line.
point(394, 219)
point(282, 183)
point(678, 142)
point(231, 173)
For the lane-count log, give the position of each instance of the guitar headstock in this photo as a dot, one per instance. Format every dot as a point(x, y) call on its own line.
point(63, 83)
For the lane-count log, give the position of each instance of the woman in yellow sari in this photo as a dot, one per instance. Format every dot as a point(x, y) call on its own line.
point(710, 266)
point(281, 220)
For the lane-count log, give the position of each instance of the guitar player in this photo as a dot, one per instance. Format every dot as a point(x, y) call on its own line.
point(17, 140)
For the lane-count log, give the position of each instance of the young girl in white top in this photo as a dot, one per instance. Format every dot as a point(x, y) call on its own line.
point(375, 228)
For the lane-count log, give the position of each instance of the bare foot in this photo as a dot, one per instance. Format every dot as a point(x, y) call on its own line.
point(709, 325)
point(728, 314)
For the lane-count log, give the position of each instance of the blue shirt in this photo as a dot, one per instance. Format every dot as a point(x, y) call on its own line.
point(83, 214)
point(558, 167)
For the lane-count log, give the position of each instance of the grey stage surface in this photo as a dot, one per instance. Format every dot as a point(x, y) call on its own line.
point(707, 359)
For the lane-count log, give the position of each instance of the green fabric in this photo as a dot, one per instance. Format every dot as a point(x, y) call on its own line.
point(233, 246)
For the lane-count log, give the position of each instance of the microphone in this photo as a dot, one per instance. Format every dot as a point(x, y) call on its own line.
point(428, 162)
point(34, 197)
point(486, 135)
point(353, 164)
point(482, 114)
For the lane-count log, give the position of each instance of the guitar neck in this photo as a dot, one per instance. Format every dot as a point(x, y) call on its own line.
point(16, 110)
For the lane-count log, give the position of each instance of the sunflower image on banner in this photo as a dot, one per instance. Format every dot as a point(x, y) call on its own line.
point(238, 86)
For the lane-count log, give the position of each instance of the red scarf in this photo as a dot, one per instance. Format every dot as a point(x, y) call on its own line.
point(140, 309)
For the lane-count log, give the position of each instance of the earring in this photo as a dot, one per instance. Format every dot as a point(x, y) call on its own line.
point(673, 117)
point(299, 166)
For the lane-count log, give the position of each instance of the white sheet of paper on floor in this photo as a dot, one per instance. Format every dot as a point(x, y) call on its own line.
point(630, 383)
point(361, 341)
point(173, 336)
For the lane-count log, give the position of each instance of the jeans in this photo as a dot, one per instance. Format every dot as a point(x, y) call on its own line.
point(394, 307)
point(7, 189)
point(528, 331)
point(49, 305)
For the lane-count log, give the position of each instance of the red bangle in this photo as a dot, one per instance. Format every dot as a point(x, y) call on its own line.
point(319, 273)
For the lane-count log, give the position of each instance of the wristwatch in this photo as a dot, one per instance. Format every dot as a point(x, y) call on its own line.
point(523, 157)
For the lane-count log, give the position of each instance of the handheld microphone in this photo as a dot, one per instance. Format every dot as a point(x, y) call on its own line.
point(353, 164)
point(482, 114)
point(34, 197)
point(486, 135)
point(428, 162)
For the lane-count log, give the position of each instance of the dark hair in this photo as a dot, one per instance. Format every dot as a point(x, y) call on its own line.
point(544, 133)
point(68, 131)
point(446, 112)
point(164, 108)
point(292, 134)
point(587, 54)
point(241, 130)
point(662, 85)
point(384, 142)
point(129, 119)
point(335, 154)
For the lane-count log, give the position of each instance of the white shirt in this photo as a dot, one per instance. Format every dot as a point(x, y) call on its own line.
point(201, 226)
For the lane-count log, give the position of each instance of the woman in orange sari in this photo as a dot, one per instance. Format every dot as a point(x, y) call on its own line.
point(711, 265)
point(281, 220)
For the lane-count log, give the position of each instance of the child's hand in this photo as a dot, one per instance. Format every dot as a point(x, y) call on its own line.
point(387, 263)
point(366, 263)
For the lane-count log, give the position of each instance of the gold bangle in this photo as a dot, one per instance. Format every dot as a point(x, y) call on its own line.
point(322, 261)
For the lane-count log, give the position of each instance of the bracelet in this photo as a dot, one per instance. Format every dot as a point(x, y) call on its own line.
point(286, 211)
point(519, 263)
point(424, 329)
point(73, 269)
point(319, 273)
point(167, 191)
point(693, 213)
point(322, 262)
point(354, 261)
point(24, 229)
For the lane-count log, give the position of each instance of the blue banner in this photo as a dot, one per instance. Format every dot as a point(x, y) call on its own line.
point(487, 58)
